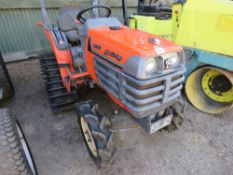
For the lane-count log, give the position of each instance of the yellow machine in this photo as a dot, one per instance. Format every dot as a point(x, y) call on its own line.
point(205, 29)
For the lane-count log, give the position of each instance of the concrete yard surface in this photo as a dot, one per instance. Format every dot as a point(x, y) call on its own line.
point(202, 146)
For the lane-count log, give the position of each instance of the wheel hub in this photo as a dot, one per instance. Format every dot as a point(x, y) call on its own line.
point(217, 86)
point(220, 84)
point(88, 137)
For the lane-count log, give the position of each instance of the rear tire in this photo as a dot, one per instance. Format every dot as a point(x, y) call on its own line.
point(5, 82)
point(96, 133)
point(14, 159)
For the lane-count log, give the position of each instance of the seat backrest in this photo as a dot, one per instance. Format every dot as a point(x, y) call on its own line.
point(67, 17)
point(67, 22)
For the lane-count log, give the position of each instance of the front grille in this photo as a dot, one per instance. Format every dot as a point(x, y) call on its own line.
point(155, 91)
point(108, 77)
point(142, 97)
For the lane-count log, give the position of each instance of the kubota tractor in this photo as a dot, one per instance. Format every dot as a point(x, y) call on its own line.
point(141, 72)
point(205, 29)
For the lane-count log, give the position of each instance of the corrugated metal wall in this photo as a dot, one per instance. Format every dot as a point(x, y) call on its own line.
point(20, 37)
point(19, 30)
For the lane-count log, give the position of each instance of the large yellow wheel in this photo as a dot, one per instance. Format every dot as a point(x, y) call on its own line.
point(210, 90)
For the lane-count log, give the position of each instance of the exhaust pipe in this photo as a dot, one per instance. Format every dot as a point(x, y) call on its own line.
point(45, 19)
point(96, 10)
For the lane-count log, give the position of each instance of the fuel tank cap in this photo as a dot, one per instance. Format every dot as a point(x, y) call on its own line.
point(154, 41)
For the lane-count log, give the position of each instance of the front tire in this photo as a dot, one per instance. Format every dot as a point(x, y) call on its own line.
point(96, 133)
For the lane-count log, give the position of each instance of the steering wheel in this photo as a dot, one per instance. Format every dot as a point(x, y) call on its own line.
point(83, 20)
point(163, 15)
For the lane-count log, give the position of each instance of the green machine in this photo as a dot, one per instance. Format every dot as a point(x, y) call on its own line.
point(205, 29)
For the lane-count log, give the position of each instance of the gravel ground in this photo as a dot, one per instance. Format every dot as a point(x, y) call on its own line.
point(202, 146)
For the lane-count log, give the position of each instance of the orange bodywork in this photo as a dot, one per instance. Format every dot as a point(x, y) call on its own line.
point(124, 43)
point(64, 57)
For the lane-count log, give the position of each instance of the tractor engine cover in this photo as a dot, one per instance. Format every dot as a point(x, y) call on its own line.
point(141, 72)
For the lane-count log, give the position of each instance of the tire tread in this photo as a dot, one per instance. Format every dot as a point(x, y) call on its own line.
point(101, 134)
point(11, 155)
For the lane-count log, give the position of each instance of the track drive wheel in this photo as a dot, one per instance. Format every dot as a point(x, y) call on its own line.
point(95, 129)
point(178, 109)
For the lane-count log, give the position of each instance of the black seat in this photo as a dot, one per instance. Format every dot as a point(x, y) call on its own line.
point(66, 22)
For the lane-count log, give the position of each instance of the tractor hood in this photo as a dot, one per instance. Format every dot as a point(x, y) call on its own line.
point(121, 43)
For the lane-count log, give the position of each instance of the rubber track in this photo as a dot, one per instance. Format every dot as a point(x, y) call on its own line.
point(59, 99)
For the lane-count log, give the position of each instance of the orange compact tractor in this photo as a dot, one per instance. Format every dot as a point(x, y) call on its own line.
point(141, 72)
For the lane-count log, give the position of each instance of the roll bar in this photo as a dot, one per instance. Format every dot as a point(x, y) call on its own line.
point(45, 19)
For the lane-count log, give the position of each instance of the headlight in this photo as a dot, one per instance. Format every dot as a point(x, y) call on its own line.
point(144, 68)
point(170, 60)
point(150, 65)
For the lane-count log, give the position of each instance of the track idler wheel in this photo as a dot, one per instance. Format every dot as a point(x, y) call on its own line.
point(210, 89)
point(95, 130)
